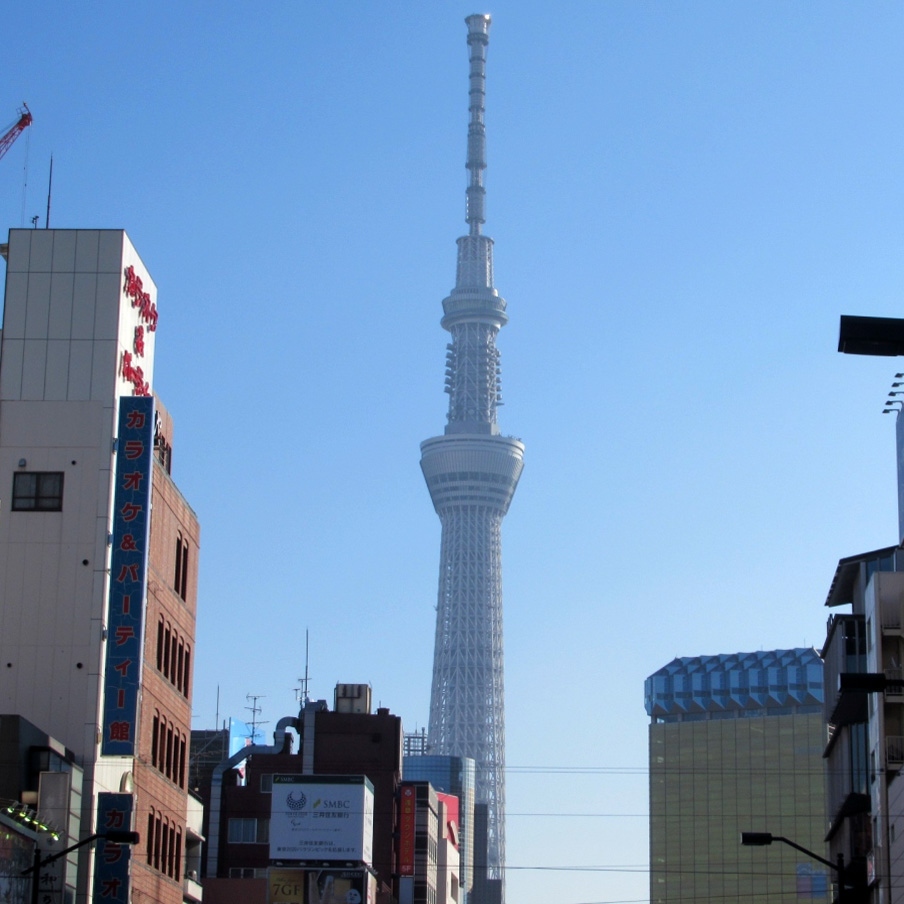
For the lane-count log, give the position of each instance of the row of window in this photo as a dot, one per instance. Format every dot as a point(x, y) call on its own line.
point(173, 656)
point(249, 830)
point(168, 749)
point(164, 845)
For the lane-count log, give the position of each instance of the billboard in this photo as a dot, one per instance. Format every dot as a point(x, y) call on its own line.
point(322, 817)
point(320, 886)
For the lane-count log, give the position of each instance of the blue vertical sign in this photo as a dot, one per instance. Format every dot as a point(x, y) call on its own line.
point(128, 574)
point(111, 863)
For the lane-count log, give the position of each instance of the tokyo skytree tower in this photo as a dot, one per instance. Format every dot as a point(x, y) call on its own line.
point(472, 472)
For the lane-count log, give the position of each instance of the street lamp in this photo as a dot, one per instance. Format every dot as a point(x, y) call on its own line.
point(115, 836)
point(868, 682)
point(760, 839)
point(871, 335)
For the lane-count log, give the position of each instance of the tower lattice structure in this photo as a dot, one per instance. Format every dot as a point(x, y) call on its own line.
point(472, 472)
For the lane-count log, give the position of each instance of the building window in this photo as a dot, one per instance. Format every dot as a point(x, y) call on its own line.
point(186, 671)
point(37, 491)
point(160, 636)
point(249, 830)
point(180, 580)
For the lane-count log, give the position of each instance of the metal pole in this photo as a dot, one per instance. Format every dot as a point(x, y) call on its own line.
point(35, 874)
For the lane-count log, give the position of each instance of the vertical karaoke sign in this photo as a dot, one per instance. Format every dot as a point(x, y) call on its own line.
point(111, 863)
point(128, 574)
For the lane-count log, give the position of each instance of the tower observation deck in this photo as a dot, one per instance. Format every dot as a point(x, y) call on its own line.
point(472, 472)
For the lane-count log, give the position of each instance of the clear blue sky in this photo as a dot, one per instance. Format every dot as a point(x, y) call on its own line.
point(684, 198)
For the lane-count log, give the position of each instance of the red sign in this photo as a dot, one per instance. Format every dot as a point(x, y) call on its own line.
point(134, 375)
point(147, 313)
point(147, 310)
point(406, 831)
point(450, 829)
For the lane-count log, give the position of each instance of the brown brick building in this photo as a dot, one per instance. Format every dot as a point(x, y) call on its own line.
point(169, 850)
point(339, 742)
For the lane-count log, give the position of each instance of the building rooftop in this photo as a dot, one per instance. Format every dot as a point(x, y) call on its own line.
point(772, 682)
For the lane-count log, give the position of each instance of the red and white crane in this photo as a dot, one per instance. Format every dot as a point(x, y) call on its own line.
point(16, 129)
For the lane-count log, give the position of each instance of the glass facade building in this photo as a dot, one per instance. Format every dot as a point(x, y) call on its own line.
point(451, 775)
point(736, 745)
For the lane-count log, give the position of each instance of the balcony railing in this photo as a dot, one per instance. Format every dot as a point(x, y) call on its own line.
point(191, 888)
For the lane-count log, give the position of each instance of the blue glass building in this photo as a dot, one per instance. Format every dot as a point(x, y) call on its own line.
point(451, 775)
point(736, 685)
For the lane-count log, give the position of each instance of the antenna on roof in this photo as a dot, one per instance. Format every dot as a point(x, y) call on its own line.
point(301, 692)
point(49, 190)
point(255, 712)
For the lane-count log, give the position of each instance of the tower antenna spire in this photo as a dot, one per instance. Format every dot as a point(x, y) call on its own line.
point(478, 39)
point(472, 472)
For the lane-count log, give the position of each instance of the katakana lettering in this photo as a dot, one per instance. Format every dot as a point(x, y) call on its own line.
point(132, 481)
point(110, 888)
point(114, 819)
point(123, 667)
point(128, 573)
point(135, 419)
point(124, 633)
point(130, 511)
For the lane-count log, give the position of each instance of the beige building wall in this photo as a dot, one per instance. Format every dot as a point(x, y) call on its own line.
point(66, 324)
point(712, 780)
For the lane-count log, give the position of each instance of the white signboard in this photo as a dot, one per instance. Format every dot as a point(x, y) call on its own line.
point(322, 818)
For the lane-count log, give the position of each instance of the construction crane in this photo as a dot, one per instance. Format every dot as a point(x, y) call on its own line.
point(16, 129)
